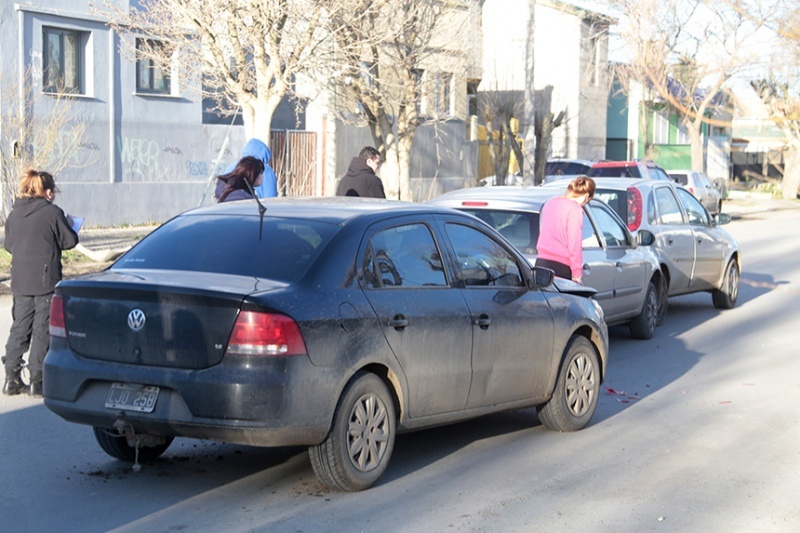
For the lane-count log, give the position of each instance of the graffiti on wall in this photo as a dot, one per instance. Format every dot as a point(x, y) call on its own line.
point(143, 159)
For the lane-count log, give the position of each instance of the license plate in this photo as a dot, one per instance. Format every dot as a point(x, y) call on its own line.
point(132, 397)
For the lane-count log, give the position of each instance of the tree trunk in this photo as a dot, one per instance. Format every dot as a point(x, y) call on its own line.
point(694, 129)
point(791, 175)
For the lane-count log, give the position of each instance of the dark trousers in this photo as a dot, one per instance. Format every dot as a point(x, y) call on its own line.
point(561, 270)
point(30, 329)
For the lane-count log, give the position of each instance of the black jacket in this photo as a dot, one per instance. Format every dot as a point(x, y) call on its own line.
point(36, 232)
point(360, 180)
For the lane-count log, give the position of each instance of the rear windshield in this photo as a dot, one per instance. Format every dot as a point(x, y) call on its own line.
point(615, 172)
point(520, 228)
point(231, 245)
point(564, 168)
point(679, 178)
point(616, 200)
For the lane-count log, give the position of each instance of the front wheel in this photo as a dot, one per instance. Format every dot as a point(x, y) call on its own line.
point(725, 297)
point(575, 397)
point(356, 452)
point(117, 446)
point(643, 326)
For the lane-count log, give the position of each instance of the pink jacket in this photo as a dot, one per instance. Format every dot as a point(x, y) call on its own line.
point(561, 233)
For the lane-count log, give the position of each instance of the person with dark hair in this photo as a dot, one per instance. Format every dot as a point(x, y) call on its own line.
point(234, 185)
point(560, 245)
point(361, 178)
point(269, 182)
point(36, 233)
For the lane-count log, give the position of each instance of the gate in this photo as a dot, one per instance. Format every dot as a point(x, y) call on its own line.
point(294, 161)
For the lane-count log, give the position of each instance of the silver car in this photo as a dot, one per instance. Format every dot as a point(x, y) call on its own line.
point(695, 253)
point(701, 187)
point(622, 269)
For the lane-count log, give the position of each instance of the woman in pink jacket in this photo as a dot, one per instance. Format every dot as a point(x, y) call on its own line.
point(560, 245)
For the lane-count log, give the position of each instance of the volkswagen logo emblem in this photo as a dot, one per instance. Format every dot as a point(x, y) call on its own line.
point(136, 319)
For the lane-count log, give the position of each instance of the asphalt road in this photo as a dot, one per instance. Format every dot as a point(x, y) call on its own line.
point(697, 430)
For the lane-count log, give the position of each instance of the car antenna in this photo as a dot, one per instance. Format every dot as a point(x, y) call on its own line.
point(261, 208)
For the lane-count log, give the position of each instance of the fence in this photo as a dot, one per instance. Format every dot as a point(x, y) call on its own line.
point(294, 155)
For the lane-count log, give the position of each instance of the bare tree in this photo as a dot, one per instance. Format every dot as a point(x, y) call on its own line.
point(246, 54)
point(685, 51)
point(500, 113)
point(36, 131)
point(390, 56)
point(780, 90)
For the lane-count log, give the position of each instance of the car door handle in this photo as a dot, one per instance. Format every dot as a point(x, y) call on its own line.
point(670, 240)
point(483, 321)
point(398, 322)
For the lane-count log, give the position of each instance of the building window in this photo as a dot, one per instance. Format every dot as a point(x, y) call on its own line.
point(443, 103)
point(472, 97)
point(660, 128)
point(63, 61)
point(416, 76)
point(150, 78)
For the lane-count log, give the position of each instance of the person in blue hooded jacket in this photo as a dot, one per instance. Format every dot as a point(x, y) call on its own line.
point(269, 183)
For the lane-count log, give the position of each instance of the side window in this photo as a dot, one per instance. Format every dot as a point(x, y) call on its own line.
point(669, 211)
point(482, 260)
point(613, 232)
point(403, 256)
point(590, 239)
point(694, 209)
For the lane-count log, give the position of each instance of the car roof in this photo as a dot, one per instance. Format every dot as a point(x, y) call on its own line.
point(532, 195)
point(333, 209)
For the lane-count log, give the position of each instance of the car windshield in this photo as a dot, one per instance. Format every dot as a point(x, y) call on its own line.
point(231, 245)
point(631, 171)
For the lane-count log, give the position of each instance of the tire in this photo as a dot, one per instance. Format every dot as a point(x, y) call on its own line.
point(575, 397)
point(725, 297)
point(663, 301)
point(117, 446)
point(643, 326)
point(357, 450)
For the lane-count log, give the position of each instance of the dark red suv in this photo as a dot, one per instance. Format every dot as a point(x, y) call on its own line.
point(627, 169)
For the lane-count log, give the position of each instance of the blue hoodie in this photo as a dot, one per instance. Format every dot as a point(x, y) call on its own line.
point(269, 183)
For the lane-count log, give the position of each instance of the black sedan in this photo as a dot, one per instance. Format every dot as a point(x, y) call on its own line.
point(333, 323)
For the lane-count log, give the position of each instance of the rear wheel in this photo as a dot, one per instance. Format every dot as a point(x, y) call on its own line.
point(643, 326)
point(725, 297)
point(663, 301)
point(357, 450)
point(575, 397)
point(117, 447)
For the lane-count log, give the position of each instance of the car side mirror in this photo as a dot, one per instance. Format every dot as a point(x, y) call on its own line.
point(541, 277)
point(645, 237)
point(723, 218)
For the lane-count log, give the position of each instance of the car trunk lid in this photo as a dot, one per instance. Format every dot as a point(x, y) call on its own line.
point(155, 318)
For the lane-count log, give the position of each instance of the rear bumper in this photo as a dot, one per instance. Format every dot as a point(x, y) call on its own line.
point(255, 401)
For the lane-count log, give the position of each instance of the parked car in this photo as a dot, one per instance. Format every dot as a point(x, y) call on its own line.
point(696, 254)
point(701, 187)
point(557, 169)
point(625, 274)
point(627, 169)
point(332, 323)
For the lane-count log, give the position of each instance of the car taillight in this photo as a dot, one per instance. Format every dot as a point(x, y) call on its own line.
point(691, 190)
point(474, 204)
point(635, 208)
point(57, 326)
point(257, 333)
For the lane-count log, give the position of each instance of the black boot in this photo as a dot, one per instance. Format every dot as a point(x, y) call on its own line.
point(14, 384)
point(35, 388)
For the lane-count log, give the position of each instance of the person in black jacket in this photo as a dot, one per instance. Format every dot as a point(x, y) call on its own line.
point(36, 233)
point(360, 179)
